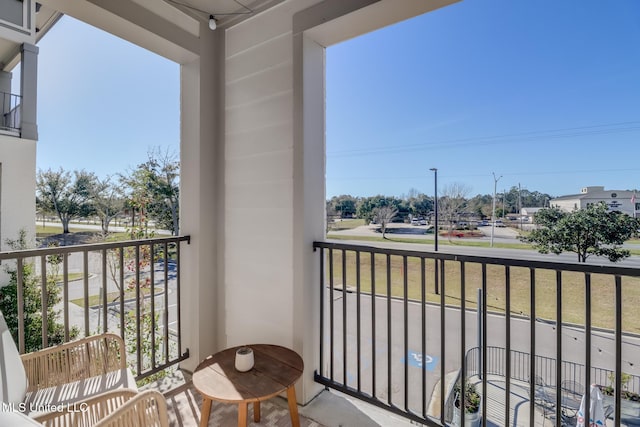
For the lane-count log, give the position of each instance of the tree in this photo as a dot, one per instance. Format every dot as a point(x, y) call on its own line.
point(452, 201)
point(383, 216)
point(586, 232)
point(107, 200)
point(420, 205)
point(367, 205)
point(68, 198)
point(154, 190)
point(32, 297)
point(344, 204)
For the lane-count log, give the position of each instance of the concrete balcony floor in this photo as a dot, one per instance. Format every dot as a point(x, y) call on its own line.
point(328, 409)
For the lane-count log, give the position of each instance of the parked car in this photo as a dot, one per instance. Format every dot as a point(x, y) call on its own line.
point(483, 223)
point(499, 223)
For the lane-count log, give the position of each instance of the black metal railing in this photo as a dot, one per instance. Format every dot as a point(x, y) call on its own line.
point(131, 288)
point(11, 112)
point(396, 325)
point(545, 368)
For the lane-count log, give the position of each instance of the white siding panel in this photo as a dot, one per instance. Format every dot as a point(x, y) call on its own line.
point(253, 89)
point(265, 167)
point(252, 224)
point(250, 142)
point(259, 187)
point(269, 249)
point(271, 54)
point(278, 109)
point(254, 31)
point(268, 194)
point(18, 179)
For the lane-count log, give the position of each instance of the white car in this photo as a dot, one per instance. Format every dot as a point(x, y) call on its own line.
point(499, 223)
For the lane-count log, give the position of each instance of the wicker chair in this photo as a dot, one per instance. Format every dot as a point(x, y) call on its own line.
point(41, 382)
point(146, 409)
point(117, 408)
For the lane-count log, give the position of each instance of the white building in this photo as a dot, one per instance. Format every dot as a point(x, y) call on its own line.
point(22, 24)
point(617, 200)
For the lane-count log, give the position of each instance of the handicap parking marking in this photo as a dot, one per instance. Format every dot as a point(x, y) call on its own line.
point(415, 359)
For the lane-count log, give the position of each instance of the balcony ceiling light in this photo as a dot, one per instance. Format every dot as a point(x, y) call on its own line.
point(213, 23)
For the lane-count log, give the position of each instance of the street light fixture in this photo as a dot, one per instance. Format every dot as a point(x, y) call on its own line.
point(493, 211)
point(435, 203)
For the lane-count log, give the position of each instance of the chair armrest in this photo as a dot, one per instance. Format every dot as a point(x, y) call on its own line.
point(75, 360)
point(148, 408)
point(87, 412)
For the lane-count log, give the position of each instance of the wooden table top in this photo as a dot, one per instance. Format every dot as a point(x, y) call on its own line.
point(276, 369)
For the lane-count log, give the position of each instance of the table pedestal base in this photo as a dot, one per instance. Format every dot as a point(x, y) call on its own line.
point(243, 406)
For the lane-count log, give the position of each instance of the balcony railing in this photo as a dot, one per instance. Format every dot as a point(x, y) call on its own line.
point(11, 112)
point(131, 288)
point(397, 327)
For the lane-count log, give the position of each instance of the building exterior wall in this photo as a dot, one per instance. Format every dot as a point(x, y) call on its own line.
point(259, 178)
point(17, 184)
point(567, 205)
point(616, 200)
point(17, 22)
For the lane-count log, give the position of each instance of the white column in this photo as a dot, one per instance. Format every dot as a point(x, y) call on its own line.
point(202, 199)
point(29, 91)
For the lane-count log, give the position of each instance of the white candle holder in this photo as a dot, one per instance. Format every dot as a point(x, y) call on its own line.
point(244, 359)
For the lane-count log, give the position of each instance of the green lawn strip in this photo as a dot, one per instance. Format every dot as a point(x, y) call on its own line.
point(43, 232)
point(441, 241)
point(602, 288)
point(95, 300)
point(346, 224)
point(71, 277)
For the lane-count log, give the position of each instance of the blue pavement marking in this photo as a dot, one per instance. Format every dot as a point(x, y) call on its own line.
point(415, 359)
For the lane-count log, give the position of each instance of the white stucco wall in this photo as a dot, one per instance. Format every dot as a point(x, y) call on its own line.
point(259, 168)
point(17, 188)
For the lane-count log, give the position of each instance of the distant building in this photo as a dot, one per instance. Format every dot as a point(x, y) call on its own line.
point(617, 200)
point(527, 214)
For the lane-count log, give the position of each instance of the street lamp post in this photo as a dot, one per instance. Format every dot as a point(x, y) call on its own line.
point(493, 211)
point(435, 204)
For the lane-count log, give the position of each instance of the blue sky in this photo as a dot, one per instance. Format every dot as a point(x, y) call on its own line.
point(543, 93)
point(103, 102)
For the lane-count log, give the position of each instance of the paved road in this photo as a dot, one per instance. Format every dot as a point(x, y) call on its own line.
point(377, 357)
point(384, 359)
point(76, 290)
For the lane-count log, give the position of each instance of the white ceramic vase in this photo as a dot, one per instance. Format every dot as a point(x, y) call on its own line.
point(244, 359)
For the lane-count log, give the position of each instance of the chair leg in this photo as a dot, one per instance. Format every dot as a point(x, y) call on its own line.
point(293, 406)
point(206, 411)
point(256, 412)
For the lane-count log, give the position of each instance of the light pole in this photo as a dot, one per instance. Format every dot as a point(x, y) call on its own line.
point(493, 211)
point(435, 204)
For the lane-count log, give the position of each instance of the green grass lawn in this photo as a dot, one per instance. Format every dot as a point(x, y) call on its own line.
point(603, 288)
point(346, 224)
point(603, 302)
point(441, 241)
point(71, 276)
point(43, 232)
point(95, 300)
